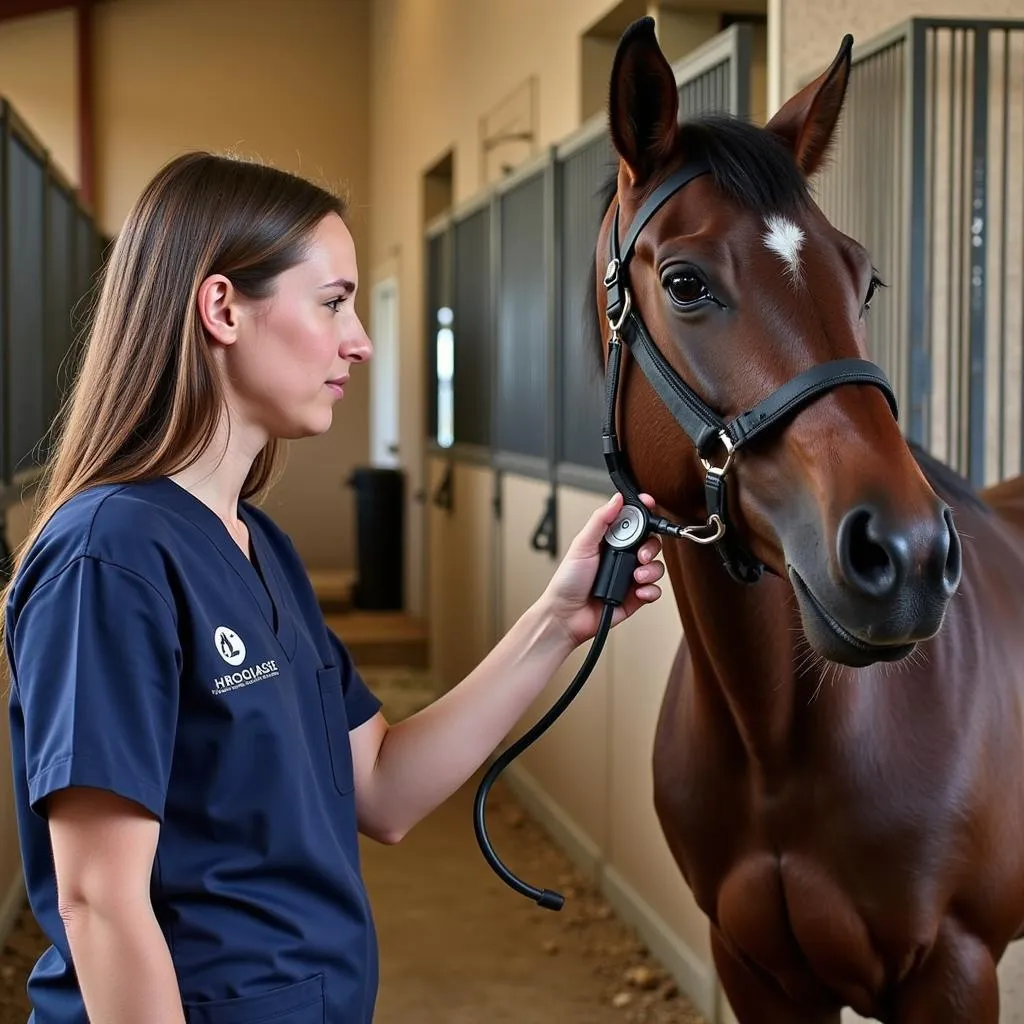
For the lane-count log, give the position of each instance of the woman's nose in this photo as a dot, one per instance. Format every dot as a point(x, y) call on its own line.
point(357, 347)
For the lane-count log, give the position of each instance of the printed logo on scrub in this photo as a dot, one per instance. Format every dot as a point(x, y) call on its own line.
point(231, 648)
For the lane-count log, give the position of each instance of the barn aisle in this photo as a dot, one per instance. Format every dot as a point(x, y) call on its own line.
point(459, 947)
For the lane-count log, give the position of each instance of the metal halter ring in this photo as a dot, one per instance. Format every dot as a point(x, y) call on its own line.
point(729, 450)
point(714, 521)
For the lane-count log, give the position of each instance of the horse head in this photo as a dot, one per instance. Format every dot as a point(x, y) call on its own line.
point(758, 306)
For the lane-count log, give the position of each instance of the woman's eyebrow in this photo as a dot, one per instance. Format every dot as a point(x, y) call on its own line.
point(341, 282)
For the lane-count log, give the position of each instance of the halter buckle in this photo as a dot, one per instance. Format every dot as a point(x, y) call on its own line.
point(627, 305)
point(730, 449)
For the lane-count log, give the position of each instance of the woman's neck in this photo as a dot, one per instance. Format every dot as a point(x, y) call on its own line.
point(217, 475)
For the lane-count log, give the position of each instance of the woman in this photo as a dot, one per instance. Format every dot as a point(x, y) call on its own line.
point(194, 751)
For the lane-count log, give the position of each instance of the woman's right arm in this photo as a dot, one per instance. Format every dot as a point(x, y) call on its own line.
point(103, 850)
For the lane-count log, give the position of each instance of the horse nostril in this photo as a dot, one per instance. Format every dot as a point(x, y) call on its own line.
point(870, 560)
point(953, 566)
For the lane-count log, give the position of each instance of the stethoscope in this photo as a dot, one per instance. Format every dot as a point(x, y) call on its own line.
point(635, 523)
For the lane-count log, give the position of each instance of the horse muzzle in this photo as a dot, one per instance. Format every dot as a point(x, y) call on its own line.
point(886, 587)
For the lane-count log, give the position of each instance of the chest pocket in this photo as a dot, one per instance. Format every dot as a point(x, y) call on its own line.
point(336, 723)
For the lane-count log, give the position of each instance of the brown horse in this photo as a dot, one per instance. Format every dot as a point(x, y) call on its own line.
point(838, 764)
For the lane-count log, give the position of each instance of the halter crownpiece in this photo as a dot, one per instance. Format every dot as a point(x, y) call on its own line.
point(705, 428)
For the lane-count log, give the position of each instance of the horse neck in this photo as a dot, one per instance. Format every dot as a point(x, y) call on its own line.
point(746, 648)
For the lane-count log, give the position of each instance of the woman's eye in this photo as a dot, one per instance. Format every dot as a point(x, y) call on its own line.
point(687, 289)
point(333, 304)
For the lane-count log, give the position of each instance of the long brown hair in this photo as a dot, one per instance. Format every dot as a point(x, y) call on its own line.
point(147, 399)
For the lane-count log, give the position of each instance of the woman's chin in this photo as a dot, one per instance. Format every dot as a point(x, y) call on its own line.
point(313, 425)
point(322, 423)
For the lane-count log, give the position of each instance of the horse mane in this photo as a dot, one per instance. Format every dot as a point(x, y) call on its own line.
point(749, 165)
point(755, 169)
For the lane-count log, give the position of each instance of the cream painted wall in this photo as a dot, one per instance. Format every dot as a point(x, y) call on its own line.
point(461, 593)
point(570, 761)
point(811, 30)
point(38, 75)
point(283, 81)
point(596, 56)
point(759, 75)
point(679, 32)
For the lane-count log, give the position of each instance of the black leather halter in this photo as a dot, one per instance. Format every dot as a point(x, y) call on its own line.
point(702, 425)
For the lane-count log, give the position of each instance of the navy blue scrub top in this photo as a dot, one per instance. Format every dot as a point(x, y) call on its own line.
point(151, 658)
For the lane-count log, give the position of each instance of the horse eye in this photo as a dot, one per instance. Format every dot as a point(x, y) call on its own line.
point(686, 289)
point(876, 283)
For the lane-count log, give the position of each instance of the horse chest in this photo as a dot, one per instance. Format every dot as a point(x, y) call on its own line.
point(830, 881)
point(783, 913)
point(804, 916)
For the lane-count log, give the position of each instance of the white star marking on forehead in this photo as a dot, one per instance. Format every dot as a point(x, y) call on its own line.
point(785, 239)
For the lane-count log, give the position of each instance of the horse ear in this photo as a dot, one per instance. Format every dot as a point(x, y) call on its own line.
point(643, 103)
point(807, 120)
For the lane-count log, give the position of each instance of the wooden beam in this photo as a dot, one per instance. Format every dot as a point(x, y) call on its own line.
point(86, 103)
point(26, 8)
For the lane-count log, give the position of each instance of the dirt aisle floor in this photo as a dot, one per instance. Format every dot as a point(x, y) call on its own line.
point(458, 946)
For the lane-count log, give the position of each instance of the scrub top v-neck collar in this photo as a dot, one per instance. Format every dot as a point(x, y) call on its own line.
point(264, 582)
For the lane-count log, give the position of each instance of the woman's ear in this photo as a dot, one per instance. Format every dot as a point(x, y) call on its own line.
point(217, 303)
point(643, 103)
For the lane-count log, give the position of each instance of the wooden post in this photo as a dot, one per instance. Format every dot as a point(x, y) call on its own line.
point(86, 102)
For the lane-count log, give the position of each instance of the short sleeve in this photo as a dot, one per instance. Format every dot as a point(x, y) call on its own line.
point(97, 664)
point(361, 704)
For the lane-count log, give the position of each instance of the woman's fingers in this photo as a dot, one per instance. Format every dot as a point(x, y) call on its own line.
point(650, 573)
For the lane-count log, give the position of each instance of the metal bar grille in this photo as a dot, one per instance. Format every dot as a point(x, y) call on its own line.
point(522, 343)
point(863, 191)
point(708, 93)
point(26, 182)
point(929, 174)
point(715, 79)
point(60, 282)
point(49, 261)
point(974, 105)
point(581, 395)
point(473, 329)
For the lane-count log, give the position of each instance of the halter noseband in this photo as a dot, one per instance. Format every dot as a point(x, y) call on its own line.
point(702, 425)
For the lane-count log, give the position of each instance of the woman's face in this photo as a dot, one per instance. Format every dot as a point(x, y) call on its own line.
point(289, 355)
